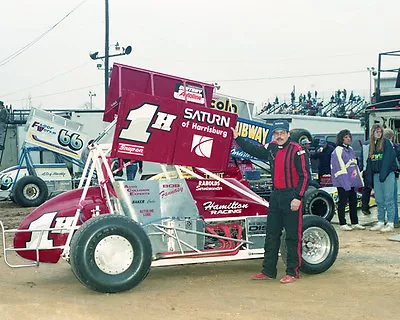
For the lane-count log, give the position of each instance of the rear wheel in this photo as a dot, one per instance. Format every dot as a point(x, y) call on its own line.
point(30, 191)
point(320, 245)
point(314, 184)
point(297, 135)
point(110, 253)
point(319, 203)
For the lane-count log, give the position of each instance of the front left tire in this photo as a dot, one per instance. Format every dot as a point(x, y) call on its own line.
point(110, 253)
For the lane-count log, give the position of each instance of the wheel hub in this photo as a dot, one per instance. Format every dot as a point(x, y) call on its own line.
point(113, 254)
point(31, 191)
point(320, 207)
point(316, 245)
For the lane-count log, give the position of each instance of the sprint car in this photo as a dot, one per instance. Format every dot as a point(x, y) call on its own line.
point(112, 233)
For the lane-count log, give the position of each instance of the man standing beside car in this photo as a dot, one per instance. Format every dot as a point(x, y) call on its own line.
point(288, 163)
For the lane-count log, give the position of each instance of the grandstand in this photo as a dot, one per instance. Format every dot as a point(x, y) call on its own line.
point(338, 106)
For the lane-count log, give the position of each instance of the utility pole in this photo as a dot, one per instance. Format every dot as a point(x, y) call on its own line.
point(106, 57)
point(106, 53)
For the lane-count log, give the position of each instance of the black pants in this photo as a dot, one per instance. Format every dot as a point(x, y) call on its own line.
point(365, 197)
point(280, 216)
point(350, 197)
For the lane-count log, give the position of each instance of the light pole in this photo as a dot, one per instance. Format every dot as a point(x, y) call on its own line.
point(91, 95)
point(94, 56)
point(372, 72)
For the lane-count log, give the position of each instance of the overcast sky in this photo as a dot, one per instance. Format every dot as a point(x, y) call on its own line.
point(254, 49)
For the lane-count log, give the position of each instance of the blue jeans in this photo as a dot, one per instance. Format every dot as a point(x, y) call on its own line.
point(396, 205)
point(384, 196)
point(131, 171)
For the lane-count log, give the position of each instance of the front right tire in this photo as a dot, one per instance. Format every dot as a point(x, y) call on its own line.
point(320, 245)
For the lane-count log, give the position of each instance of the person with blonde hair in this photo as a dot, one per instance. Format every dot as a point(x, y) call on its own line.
point(381, 165)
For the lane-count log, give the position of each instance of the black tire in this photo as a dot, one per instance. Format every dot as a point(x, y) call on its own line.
point(320, 245)
point(30, 191)
point(297, 135)
point(319, 203)
point(314, 183)
point(89, 247)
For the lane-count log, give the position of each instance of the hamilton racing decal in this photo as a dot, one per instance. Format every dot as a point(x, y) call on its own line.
point(233, 207)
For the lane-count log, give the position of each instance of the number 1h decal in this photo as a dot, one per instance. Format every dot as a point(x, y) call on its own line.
point(140, 120)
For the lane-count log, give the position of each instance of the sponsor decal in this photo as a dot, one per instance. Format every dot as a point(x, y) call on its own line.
point(252, 131)
point(196, 126)
point(239, 153)
point(206, 117)
point(134, 191)
point(233, 207)
point(208, 185)
point(146, 212)
point(202, 146)
point(224, 105)
point(130, 149)
point(137, 201)
point(192, 94)
point(171, 185)
point(164, 194)
point(42, 127)
point(219, 174)
point(53, 174)
point(210, 120)
point(300, 152)
point(256, 228)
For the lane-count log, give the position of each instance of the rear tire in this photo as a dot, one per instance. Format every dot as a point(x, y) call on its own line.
point(320, 245)
point(297, 135)
point(30, 191)
point(313, 183)
point(110, 253)
point(318, 202)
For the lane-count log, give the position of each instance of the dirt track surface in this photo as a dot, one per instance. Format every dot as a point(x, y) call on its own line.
point(364, 283)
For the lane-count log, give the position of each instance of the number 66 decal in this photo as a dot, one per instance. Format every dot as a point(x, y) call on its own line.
point(73, 141)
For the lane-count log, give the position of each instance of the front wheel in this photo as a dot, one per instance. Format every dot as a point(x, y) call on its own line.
point(110, 253)
point(30, 191)
point(320, 245)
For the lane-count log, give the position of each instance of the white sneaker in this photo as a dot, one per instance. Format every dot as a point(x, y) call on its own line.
point(388, 228)
point(378, 226)
point(357, 227)
point(346, 227)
